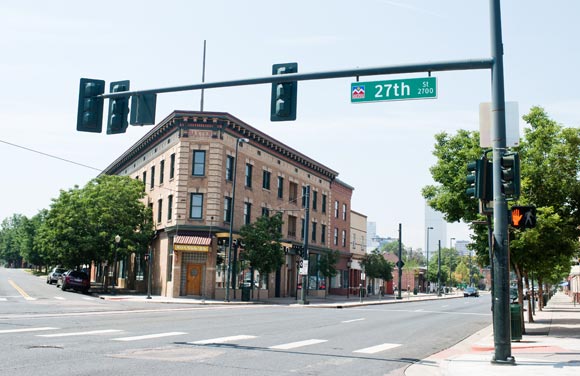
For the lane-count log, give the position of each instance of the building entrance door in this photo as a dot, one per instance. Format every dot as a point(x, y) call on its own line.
point(194, 274)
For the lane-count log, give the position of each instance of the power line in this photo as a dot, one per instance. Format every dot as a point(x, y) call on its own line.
point(50, 155)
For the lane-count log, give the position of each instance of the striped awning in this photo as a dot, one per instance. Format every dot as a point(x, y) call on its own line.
point(191, 243)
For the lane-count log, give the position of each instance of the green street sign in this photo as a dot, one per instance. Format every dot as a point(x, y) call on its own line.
point(393, 90)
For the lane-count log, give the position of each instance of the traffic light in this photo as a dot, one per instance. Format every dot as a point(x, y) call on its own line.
point(479, 179)
point(522, 217)
point(510, 175)
point(90, 110)
point(118, 108)
point(299, 249)
point(283, 100)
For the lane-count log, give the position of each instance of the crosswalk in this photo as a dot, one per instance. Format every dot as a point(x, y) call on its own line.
point(53, 332)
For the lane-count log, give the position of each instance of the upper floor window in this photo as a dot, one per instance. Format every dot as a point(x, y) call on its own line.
point(293, 193)
point(304, 196)
point(335, 236)
point(169, 207)
point(344, 238)
point(161, 171)
point(323, 209)
point(152, 177)
point(227, 209)
point(247, 213)
point(144, 179)
point(314, 200)
point(230, 168)
point(280, 187)
point(335, 209)
point(344, 212)
point(196, 206)
point(265, 212)
point(172, 166)
point(313, 231)
point(266, 175)
point(323, 234)
point(249, 169)
point(159, 210)
point(198, 163)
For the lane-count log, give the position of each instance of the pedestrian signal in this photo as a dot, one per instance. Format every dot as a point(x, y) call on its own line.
point(523, 217)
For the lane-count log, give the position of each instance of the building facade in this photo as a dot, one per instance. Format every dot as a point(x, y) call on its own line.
point(189, 164)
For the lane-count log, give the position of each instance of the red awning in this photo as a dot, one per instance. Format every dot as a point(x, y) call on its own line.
point(192, 240)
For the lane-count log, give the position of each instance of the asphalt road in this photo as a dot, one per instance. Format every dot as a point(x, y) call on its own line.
point(55, 331)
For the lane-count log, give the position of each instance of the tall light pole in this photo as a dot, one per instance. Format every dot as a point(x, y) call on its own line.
point(238, 142)
point(427, 272)
point(451, 247)
point(439, 271)
point(117, 241)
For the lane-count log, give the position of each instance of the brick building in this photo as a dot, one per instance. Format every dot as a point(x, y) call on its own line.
point(187, 165)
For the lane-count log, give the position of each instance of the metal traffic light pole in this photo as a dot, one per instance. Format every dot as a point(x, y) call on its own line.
point(501, 308)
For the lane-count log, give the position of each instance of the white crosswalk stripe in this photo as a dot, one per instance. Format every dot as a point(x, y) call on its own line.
point(222, 340)
point(148, 336)
point(26, 330)
point(92, 332)
point(378, 348)
point(294, 345)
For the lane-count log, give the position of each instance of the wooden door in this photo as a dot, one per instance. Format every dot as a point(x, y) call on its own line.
point(194, 274)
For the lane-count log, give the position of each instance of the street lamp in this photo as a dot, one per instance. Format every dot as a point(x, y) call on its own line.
point(450, 246)
point(427, 272)
point(117, 241)
point(238, 142)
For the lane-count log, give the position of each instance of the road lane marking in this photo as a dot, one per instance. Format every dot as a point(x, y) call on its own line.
point(148, 336)
point(293, 345)
point(3, 299)
point(20, 291)
point(347, 321)
point(378, 348)
point(92, 332)
point(26, 330)
point(222, 340)
point(59, 298)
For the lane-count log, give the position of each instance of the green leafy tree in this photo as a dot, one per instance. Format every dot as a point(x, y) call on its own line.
point(376, 266)
point(261, 245)
point(327, 265)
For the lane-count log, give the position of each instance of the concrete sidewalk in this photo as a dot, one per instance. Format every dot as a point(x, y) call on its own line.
point(551, 346)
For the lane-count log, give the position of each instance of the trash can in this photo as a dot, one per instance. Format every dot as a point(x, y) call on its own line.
point(516, 321)
point(245, 293)
point(545, 299)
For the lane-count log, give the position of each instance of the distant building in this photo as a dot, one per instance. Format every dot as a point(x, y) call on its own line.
point(371, 235)
point(461, 247)
point(434, 219)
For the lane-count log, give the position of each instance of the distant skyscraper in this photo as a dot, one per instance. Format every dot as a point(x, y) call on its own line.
point(461, 246)
point(435, 220)
point(372, 242)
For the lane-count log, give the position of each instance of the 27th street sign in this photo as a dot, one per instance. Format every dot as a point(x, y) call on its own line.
point(410, 88)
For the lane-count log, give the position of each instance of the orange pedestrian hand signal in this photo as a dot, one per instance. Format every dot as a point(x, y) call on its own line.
point(523, 217)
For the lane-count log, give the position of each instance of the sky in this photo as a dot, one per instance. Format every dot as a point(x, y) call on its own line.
point(383, 149)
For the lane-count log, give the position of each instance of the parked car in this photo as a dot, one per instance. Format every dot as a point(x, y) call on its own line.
point(470, 291)
point(52, 277)
point(74, 279)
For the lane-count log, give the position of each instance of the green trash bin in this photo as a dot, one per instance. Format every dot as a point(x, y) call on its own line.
point(245, 293)
point(516, 321)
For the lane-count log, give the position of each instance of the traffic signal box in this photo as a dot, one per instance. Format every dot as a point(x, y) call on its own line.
point(523, 217)
point(283, 100)
point(90, 109)
point(118, 109)
point(510, 175)
point(479, 179)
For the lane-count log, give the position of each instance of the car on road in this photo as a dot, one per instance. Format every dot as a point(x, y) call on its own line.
point(52, 277)
point(470, 291)
point(74, 279)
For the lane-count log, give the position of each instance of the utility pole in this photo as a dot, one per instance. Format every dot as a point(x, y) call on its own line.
point(439, 271)
point(303, 299)
point(501, 308)
point(400, 262)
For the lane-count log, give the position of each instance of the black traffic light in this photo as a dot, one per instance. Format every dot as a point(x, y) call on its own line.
point(283, 100)
point(90, 110)
point(479, 179)
point(510, 175)
point(118, 108)
point(522, 217)
point(299, 249)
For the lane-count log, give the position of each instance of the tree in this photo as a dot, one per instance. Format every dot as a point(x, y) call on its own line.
point(327, 265)
point(376, 266)
point(261, 245)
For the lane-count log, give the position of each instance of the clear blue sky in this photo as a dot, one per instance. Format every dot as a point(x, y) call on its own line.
point(382, 149)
